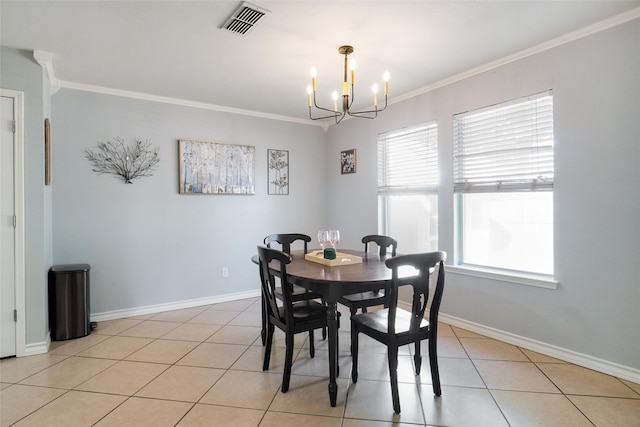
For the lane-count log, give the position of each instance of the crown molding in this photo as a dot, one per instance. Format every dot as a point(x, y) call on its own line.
point(181, 102)
point(44, 60)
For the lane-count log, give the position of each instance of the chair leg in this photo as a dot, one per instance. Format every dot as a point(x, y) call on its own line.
point(354, 354)
point(353, 312)
point(433, 362)
point(393, 374)
point(312, 350)
point(267, 350)
point(263, 332)
point(288, 362)
point(417, 358)
point(324, 330)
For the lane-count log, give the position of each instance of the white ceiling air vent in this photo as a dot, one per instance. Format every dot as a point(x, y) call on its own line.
point(244, 18)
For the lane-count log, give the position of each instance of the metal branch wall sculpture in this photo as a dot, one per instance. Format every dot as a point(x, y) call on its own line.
point(128, 162)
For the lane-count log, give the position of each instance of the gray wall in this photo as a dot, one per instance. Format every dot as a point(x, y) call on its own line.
point(596, 86)
point(20, 72)
point(146, 243)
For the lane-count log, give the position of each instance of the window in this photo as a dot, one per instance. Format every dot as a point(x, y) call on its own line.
point(503, 182)
point(408, 179)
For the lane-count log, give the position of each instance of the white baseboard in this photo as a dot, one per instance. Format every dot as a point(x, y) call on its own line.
point(600, 365)
point(152, 309)
point(37, 348)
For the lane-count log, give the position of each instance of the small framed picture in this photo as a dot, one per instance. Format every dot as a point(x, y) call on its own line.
point(348, 161)
point(278, 172)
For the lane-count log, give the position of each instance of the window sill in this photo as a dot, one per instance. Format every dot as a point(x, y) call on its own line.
point(537, 280)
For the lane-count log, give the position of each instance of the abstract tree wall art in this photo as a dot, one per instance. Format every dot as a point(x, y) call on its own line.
point(278, 172)
point(125, 161)
point(216, 168)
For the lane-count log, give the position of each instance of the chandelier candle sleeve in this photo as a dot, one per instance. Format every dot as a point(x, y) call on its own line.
point(314, 73)
point(375, 95)
point(353, 71)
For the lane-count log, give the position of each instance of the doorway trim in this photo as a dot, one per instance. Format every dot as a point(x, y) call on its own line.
point(18, 200)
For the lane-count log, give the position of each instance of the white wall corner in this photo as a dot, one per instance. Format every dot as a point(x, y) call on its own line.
point(45, 60)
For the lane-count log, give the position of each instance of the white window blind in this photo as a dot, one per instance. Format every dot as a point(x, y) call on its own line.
point(408, 160)
point(505, 147)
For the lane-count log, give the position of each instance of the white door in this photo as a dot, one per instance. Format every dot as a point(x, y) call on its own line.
point(7, 230)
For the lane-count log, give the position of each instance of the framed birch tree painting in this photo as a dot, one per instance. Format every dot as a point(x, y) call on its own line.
point(277, 172)
point(216, 168)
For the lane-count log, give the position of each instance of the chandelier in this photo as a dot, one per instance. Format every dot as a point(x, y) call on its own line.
point(348, 94)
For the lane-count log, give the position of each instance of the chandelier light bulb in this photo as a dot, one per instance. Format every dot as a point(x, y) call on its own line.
point(314, 72)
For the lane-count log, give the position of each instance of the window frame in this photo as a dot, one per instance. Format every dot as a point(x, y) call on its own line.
point(459, 267)
point(386, 189)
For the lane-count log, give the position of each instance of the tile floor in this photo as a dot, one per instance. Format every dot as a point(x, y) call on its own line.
point(203, 367)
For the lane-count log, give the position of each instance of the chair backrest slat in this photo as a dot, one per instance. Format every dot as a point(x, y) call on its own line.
point(286, 239)
point(425, 264)
point(382, 241)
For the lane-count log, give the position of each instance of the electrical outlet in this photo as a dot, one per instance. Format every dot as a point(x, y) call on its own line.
point(225, 272)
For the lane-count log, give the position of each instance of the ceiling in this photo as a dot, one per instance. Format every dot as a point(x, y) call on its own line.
point(177, 49)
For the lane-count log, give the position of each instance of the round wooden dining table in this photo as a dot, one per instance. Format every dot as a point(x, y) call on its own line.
point(332, 282)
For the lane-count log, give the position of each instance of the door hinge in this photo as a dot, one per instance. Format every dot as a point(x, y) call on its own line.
point(15, 221)
point(15, 316)
point(13, 126)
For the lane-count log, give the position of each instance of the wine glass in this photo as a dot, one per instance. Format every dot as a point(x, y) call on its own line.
point(334, 238)
point(323, 238)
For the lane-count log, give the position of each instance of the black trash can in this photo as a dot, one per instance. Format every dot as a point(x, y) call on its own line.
point(69, 301)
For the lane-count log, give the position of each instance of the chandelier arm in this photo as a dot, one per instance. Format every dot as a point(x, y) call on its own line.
point(353, 95)
point(335, 115)
point(327, 109)
point(315, 104)
point(362, 113)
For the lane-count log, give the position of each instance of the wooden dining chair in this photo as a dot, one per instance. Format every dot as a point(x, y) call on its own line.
point(363, 300)
point(289, 316)
point(286, 240)
point(395, 327)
